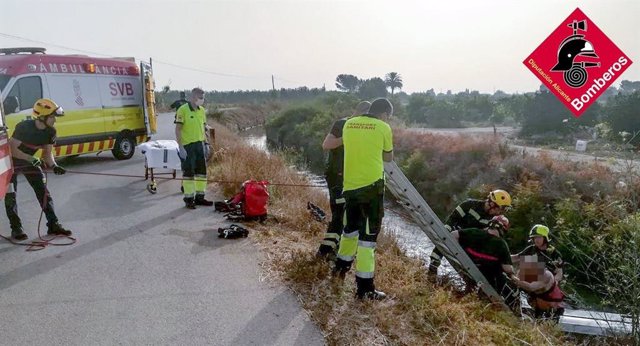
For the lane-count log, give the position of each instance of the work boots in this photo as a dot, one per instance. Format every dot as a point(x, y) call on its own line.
point(339, 273)
point(18, 234)
point(57, 229)
point(326, 253)
point(201, 201)
point(367, 290)
point(432, 273)
point(340, 269)
point(371, 295)
point(189, 202)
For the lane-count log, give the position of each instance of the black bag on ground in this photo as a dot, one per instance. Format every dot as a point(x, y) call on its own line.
point(233, 232)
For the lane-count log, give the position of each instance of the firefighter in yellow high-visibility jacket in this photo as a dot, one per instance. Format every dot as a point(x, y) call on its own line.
point(368, 141)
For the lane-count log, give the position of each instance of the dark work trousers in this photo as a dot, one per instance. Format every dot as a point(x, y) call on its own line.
point(194, 163)
point(331, 239)
point(35, 177)
point(364, 210)
point(194, 171)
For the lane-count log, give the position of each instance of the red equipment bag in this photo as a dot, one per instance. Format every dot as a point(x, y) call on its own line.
point(256, 198)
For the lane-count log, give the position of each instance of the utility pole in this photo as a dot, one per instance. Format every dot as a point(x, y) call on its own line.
point(274, 93)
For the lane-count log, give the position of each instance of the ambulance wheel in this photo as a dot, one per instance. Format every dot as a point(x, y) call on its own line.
point(124, 148)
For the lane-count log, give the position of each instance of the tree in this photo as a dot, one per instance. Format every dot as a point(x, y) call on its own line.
point(621, 113)
point(348, 83)
point(628, 87)
point(372, 88)
point(474, 106)
point(393, 80)
point(442, 113)
point(417, 108)
point(499, 94)
point(544, 113)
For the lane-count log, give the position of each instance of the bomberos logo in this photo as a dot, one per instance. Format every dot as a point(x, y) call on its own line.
point(577, 62)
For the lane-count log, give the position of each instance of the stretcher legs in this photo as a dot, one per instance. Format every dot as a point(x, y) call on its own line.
point(152, 186)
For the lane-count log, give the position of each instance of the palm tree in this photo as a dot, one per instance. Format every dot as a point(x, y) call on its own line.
point(393, 81)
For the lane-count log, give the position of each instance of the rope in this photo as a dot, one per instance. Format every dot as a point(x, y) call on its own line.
point(41, 243)
point(181, 179)
point(164, 178)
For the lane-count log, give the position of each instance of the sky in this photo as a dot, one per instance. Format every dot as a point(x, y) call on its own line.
point(239, 45)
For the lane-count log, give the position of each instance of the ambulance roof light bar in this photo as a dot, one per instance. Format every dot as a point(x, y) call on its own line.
point(89, 68)
point(22, 50)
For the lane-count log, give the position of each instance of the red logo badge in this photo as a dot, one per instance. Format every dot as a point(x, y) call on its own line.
point(577, 62)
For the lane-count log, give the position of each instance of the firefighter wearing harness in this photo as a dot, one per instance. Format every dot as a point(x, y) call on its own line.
point(334, 178)
point(490, 253)
point(368, 141)
point(544, 251)
point(472, 213)
point(191, 125)
point(30, 136)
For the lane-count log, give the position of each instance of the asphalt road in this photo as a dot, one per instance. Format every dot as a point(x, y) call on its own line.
point(145, 270)
point(503, 130)
point(617, 165)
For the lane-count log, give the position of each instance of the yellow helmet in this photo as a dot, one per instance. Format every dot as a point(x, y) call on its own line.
point(500, 197)
point(45, 107)
point(539, 231)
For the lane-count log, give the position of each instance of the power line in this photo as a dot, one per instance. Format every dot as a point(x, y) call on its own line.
point(51, 44)
point(288, 81)
point(221, 74)
point(208, 72)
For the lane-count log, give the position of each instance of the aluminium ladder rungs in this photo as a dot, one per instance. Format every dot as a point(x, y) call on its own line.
point(412, 201)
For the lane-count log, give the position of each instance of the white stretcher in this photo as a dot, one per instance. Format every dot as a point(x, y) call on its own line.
point(160, 154)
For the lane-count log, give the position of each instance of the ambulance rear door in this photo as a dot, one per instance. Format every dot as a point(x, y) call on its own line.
point(148, 98)
point(6, 167)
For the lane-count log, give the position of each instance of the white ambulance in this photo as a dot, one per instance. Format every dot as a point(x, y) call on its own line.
point(108, 102)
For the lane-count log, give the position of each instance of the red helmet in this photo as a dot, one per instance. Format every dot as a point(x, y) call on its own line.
point(500, 222)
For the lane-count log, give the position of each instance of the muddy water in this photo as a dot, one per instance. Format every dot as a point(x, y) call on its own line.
point(410, 237)
point(256, 138)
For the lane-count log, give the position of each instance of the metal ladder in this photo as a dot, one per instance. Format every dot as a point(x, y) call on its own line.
point(412, 201)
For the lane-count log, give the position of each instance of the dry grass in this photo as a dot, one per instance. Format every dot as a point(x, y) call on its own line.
point(417, 313)
point(245, 115)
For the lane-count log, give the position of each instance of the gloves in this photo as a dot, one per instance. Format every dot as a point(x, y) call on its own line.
point(57, 170)
point(182, 153)
point(36, 162)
